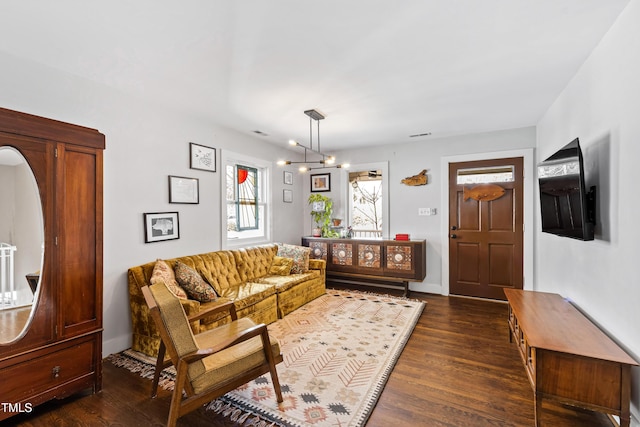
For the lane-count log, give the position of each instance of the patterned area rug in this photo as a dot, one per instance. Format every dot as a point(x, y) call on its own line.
point(338, 353)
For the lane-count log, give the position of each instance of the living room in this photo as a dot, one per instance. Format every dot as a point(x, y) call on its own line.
point(148, 136)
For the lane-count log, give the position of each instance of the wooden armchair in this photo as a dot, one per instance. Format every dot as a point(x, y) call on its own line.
point(213, 362)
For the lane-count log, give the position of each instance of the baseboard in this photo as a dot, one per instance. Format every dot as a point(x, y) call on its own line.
point(116, 345)
point(427, 288)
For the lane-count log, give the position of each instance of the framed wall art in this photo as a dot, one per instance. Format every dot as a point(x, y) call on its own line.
point(320, 182)
point(287, 177)
point(287, 196)
point(202, 157)
point(161, 226)
point(184, 190)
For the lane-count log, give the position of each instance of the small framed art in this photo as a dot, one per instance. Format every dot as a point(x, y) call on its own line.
point(287, 177)
point(287, 196)
point(184, 190)
point(202, 157)
point(161, 226)
point(320, 182)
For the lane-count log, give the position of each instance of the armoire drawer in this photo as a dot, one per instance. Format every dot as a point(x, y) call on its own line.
point(60, 366)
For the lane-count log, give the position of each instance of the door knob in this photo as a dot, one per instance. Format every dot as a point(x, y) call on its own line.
point(454, 236)
point(454, 227)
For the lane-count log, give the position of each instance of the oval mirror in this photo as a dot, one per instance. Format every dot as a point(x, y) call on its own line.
point(21, 244)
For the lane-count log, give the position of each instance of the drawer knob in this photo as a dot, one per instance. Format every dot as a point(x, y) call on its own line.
point(55, 372)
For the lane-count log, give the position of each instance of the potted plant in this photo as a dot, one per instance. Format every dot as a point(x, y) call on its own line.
point(321, 211)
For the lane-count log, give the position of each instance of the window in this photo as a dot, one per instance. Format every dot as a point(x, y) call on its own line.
point(366, 202)
point(246, 208)
point(368, 207)
point(485, 175)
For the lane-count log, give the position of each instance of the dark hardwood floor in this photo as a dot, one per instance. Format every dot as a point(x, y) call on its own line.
point(458, 369)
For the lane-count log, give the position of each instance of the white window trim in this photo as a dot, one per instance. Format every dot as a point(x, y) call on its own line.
point(229, 157)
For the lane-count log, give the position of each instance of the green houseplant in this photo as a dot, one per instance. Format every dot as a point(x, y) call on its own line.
point(321, 211)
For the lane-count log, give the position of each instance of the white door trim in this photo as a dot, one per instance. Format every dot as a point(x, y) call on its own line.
point(529, 182)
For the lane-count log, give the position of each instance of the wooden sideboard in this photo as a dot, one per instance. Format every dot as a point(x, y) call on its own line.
point(568, 359)
point(371, 262)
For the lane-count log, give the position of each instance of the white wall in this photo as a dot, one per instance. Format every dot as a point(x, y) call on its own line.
point(409, 158)
point(601, 106)
point(145, 143)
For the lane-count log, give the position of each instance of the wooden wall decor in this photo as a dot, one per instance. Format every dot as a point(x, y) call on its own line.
point(415, 180)
point(483, 192)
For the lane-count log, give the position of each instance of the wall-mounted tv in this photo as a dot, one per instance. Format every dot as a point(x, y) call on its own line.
point(567, 208)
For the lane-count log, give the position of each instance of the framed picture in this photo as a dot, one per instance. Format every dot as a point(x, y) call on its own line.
point(287, 177)
point(320, 182)
point(202, 158)
point(161, 226)
point(287, 196)
point(183, 190)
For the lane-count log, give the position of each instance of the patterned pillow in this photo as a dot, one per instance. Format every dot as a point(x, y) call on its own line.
point(163, 273)
point(193, 284)
point(299, 254)
point(281, 266)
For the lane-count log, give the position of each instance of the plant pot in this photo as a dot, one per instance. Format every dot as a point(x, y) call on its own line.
point(316, 232)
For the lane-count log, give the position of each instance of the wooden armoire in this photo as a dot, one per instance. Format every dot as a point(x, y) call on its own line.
point(59, 350)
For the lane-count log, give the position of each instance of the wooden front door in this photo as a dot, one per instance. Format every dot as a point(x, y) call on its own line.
point(486, 229)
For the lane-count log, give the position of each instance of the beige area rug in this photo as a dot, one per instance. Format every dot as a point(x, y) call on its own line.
point(338, 353)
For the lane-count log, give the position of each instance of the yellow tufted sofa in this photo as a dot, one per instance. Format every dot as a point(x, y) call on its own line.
point(239, 275)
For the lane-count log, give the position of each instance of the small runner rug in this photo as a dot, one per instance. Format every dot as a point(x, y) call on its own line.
point(339, 351)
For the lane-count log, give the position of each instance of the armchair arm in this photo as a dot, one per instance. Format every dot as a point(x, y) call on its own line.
point(243, 335)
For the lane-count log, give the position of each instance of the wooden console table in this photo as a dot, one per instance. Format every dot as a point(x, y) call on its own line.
point(379, 263)
point(567, 358)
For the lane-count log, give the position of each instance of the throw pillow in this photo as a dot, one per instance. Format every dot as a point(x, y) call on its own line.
point(299, 254)
point(193, 284)
point(281, 266)
point(163, 273)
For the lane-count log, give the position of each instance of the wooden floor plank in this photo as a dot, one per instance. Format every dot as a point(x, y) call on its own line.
point(458, 369)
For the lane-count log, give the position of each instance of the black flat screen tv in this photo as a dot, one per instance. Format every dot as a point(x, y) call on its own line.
point(567, 207)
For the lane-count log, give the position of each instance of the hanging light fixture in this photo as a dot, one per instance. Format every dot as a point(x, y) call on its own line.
point(326, 161)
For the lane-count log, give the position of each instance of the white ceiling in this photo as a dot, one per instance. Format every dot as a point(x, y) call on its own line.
point(379, 70)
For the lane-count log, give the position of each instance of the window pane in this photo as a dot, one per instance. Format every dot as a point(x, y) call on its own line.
point(365, 192)
point(486, 175)
point(247, 197)
point(231, 188)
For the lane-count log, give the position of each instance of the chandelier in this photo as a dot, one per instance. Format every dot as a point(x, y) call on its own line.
point(325, 161)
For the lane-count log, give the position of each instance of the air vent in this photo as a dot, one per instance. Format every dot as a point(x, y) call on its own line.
point(420, 134)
